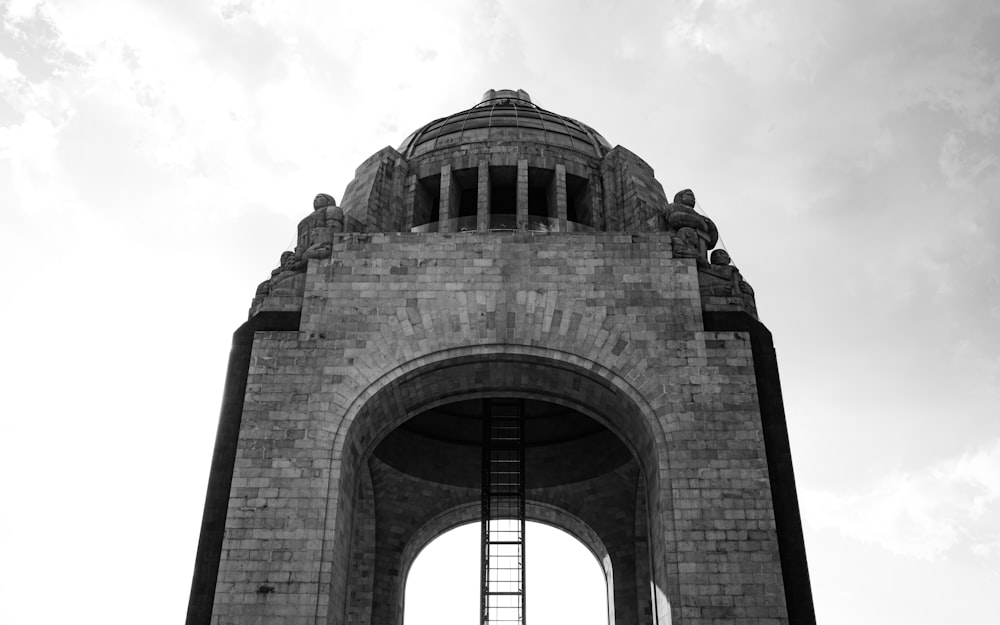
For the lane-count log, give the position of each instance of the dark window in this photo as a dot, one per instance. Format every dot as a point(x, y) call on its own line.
point(503, 190)
point(578, 200)
point(427, 203)
point(541, 192)
point(466, 183)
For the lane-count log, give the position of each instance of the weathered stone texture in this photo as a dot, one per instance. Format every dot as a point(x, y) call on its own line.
point(379, 187)
point(582, 290)
point(609, 323)
point(633, 196)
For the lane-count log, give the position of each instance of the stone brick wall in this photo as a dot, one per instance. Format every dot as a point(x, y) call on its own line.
point(374, 199)
point(608, 324)
point(632, 196)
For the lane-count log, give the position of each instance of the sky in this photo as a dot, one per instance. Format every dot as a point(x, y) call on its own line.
point(155, 158)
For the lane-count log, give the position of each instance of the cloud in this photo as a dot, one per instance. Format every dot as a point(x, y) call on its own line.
point(28, 150)
point(967, 157)
point(154, 158)
point(989, 549)
point(31, 39)
point(851, 157)
point(925, 514)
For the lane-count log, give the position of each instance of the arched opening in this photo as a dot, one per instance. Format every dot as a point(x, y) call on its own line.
point(567, 583)
point(403, 483)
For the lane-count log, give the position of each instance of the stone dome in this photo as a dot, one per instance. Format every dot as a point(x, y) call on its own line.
point(505, 115)
point(506, 164)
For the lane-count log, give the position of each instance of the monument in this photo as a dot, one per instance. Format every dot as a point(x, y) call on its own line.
point(505, 319)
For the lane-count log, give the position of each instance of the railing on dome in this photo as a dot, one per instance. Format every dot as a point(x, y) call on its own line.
point(504, 223)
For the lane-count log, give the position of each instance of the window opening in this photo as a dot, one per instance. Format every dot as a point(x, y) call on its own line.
point(578, 200)
point(467, 182)
point(427, 204)
point(503, 190)
point(541, 192)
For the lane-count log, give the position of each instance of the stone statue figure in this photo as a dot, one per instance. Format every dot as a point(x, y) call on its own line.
point(286, 269)
point(315, 232)
point(315, 240)
point(721, 277)
point(695, 234)
point(262, 290)
point(688, 244)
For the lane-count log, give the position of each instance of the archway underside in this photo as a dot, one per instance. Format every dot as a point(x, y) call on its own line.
point(408, 512)
point(414, 483)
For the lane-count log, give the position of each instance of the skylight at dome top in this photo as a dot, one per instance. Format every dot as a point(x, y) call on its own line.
point(505, 115)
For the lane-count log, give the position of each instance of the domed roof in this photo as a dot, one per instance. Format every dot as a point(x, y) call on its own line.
point(505, 115)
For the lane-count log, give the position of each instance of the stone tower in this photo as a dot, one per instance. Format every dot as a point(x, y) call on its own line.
point(502, 254)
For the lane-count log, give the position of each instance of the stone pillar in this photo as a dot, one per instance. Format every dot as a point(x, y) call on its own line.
point(560, 185)
point(447, 206)
point(522, 194)
point(595, 200)
point(409, 201)
point(483, 197)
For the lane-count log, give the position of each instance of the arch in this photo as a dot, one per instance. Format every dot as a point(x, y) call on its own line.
point(556, 584)
point(641, 433)
point(535, 511)
point(498, 370)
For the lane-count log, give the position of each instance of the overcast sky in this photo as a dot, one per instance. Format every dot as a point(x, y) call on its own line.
point(155, 158)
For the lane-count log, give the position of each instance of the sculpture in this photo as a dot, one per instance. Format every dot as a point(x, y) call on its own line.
point(315, 240)
point(286, 268)
point(688, 244)
point(721, 277)
point(695, 234)
point(322, 200)
point(315, 232)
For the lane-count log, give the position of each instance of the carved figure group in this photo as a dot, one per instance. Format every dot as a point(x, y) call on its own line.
point(315, 240)
point(693, 236)
point(315, 232)
point(720, 277)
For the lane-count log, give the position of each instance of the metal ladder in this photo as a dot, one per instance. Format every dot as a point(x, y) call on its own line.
point(502, 570)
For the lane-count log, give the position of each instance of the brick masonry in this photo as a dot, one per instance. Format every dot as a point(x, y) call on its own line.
point(319, 530)
point(317, 503)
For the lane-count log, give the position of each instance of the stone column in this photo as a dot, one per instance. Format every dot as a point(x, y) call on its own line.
point(409, 201)
point(560, 184)
point(483, 197)
point(522, 194)
point(595, 203)
point(447, 207)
